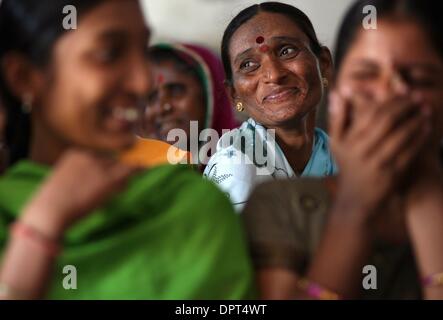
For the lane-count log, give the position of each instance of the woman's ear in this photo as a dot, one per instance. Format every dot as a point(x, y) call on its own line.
point(326, 64)
point(21, 76)
point(230, 90)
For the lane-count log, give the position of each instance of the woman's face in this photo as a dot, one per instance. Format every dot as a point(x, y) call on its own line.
point(176, 99)
point(398, 57)
point(276, 75)
point(94, 91)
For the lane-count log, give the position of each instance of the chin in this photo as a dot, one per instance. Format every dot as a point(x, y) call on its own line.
point(285, 115)
point(119, 144)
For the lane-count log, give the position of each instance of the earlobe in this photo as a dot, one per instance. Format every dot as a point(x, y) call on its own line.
point(20, 76)
point(230, 91)
point(326, 65)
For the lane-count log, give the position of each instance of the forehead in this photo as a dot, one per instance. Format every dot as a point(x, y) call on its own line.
point(266, 25)
point(168, 71)
point(110, 21)
point(124, 16)
point(114, 12)
point(394, 42)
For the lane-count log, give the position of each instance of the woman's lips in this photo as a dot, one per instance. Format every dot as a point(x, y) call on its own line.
point(122, 118)
point(280, 95)
point(165, 126)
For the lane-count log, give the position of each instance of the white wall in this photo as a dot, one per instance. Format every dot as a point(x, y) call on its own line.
point(203, 21)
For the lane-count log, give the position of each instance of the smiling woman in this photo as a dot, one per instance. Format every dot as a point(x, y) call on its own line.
point(187, 86)
point(73, 100)
point(277, 71)
point(384, 210)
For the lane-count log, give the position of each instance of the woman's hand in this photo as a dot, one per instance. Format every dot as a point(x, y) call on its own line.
point(80, 182)
point(374, 145)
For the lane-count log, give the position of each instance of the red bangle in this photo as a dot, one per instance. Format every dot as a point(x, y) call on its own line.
point(316, 291)
point(433, 280)
point(21, 230)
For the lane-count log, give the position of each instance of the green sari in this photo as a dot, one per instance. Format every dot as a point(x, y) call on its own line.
point(170, 235)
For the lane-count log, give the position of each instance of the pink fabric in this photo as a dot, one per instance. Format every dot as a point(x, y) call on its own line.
point(222, 113)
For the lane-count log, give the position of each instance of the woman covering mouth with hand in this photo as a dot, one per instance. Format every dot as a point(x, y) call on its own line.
point(383, 212)
point(277, 72)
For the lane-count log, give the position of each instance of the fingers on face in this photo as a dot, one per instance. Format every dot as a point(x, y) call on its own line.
point(392, 120)
point(404, 143)
point(349, 113)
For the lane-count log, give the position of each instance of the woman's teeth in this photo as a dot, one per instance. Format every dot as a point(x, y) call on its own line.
point(126, 114)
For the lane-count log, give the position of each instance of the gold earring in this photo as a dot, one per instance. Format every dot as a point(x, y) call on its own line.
point(325, 82)
point(240, 107)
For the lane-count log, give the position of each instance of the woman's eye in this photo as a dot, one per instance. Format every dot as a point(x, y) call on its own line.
point(109, 55)
point(363, 75)
point(248, 65)
point(289, 52)
point(421, 81)
point(152, 97)
point(176, 89)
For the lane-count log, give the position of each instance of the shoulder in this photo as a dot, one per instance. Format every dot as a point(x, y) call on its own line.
point(235, 179)
point(176, 180)
point(232, 157)
point(322, 141)
point(320, 133)
point(181, 192)
point(231, 164)
point(238, 139)
point(202, 218)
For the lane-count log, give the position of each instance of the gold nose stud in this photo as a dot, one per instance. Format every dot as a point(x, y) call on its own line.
point(167, 107)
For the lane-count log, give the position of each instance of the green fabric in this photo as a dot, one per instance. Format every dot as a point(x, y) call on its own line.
point(170, 235)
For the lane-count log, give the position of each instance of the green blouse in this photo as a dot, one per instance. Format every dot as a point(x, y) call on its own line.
point(170, 235)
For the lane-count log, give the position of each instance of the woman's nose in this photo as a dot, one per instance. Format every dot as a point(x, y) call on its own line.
point(273, 71)
point(164, 104)
point(398, 84)
point(391, 86)
point(138, 76)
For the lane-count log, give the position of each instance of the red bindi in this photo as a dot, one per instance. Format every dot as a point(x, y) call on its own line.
point(260, 40)
point(160, 79)
point(264, 48)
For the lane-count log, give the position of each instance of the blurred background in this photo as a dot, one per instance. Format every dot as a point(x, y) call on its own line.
point(203, 21)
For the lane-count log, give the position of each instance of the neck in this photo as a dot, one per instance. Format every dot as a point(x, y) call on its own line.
point(297, 141)
point(45, 148)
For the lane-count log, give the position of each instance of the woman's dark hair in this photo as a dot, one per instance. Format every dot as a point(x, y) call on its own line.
point(296, 15)
point(30, 28)
point(426, 12)
point(164, 53)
